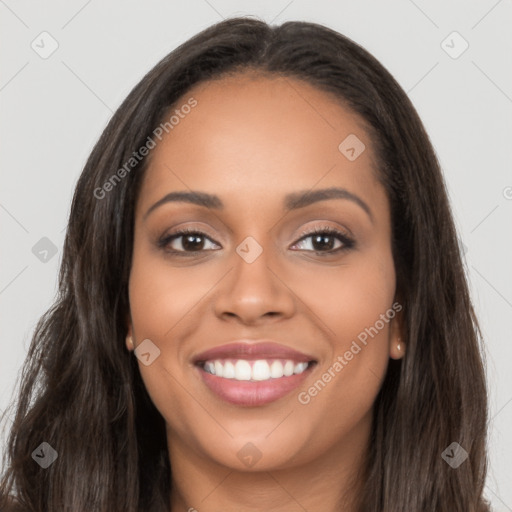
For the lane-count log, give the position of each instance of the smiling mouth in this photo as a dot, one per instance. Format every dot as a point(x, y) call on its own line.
point(257, 370)
point(253, 383)
point(251, 373)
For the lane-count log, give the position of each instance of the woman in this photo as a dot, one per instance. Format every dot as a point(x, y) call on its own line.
point(262, 301)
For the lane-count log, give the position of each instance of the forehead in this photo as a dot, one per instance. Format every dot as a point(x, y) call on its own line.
point(250, 136)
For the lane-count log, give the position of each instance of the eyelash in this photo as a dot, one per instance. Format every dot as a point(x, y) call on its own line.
point(348, 243)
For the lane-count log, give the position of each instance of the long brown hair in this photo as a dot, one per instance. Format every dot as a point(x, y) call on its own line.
point(81, 391)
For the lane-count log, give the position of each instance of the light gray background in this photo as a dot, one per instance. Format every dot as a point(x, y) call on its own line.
point(54, 109)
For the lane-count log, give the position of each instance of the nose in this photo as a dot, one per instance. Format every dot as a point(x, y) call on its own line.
point(252, 293)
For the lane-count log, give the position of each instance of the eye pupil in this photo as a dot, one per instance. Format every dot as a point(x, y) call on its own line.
point(320, 239)
point(190, 242)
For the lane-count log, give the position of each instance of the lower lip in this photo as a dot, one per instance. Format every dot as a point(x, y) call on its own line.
point(251, 394)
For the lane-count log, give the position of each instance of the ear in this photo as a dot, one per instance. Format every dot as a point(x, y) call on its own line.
point(129, 335)
point(397, 332)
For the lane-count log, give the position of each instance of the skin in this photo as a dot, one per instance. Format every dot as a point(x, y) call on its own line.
point(251, 140)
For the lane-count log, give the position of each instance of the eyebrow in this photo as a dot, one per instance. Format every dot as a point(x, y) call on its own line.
point(292, 201)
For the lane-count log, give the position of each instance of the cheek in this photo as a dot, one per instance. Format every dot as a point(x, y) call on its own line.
point(350, 297)
point(162, 302)
point(355, 309)
point(162, 295)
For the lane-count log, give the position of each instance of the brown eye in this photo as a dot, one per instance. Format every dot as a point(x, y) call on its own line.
point(323, 240)
point(184, 241)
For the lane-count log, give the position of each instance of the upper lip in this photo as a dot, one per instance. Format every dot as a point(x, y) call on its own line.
point(251, 349)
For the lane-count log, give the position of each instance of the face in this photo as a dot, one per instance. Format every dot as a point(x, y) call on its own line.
point(252, 270)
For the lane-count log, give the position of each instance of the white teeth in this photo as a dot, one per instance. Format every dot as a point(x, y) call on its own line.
point(218, 369)
point(299, 367)
point(242, 370)
point(276, 370)
point(229, 370)
point(258, 370)
point(288, 368)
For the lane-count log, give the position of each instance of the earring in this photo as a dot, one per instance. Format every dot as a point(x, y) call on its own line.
point(130, 341)
point(398, 346)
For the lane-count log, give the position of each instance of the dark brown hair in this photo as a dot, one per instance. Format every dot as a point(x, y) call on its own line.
point(81, 389)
